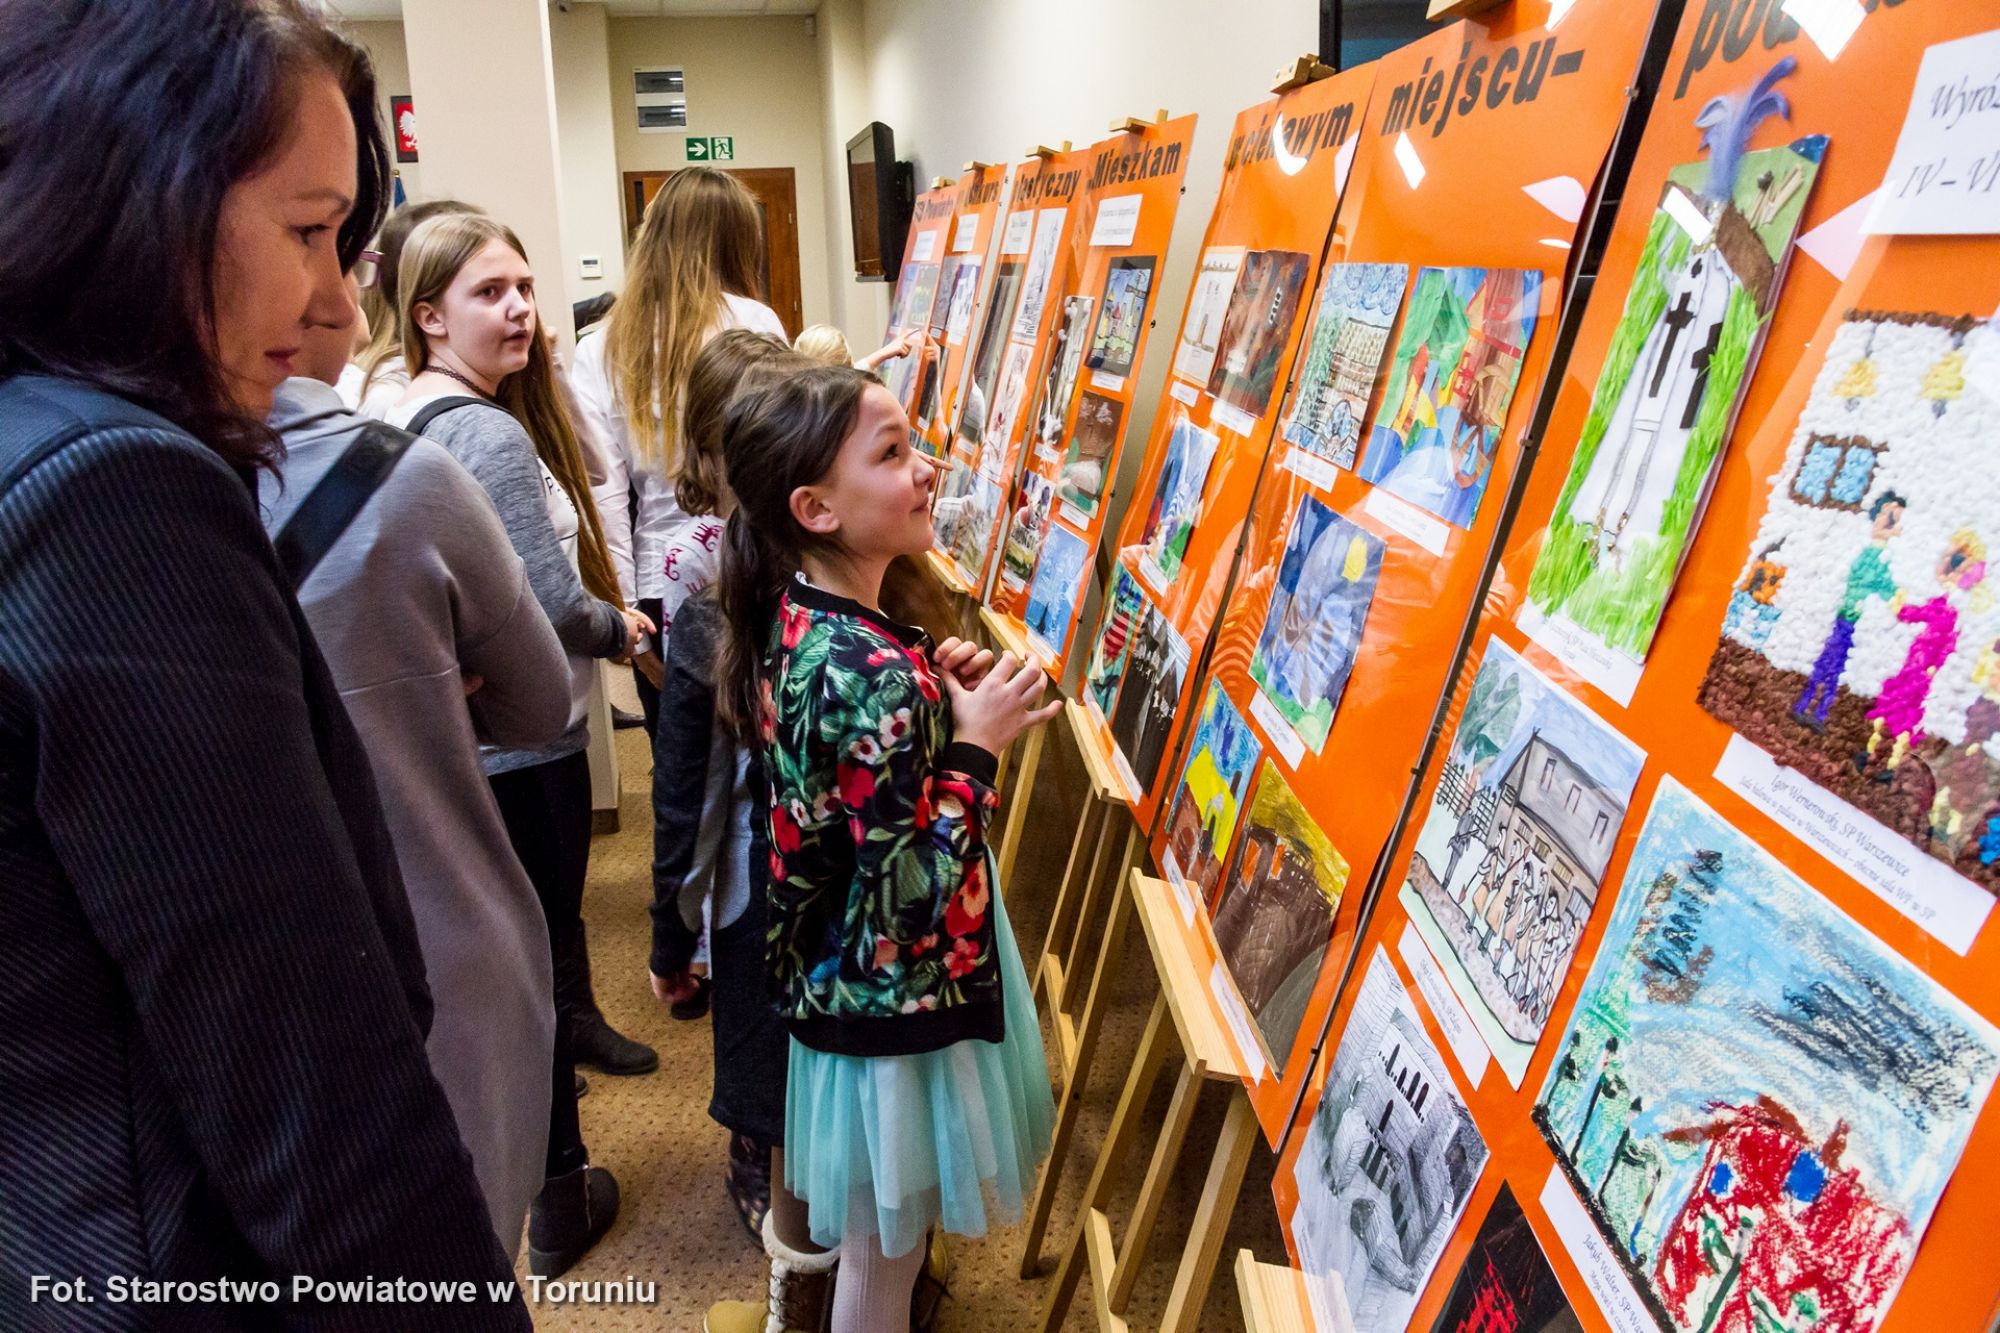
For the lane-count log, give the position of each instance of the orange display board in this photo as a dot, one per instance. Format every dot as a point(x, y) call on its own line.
point(1033, 267)
point(1081, 401)
point(1481, 145)
point(1774, 679)
point(962, 282)
point(925, 253)
point(1287, 163)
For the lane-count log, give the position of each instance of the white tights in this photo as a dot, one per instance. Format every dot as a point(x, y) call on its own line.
point(872, 1293)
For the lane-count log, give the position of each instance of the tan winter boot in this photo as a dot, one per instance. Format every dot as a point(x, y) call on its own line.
point(801, 1299)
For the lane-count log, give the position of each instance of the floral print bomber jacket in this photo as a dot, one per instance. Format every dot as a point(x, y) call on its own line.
point(881, 905)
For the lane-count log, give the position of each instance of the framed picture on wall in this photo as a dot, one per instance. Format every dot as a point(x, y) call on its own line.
point(404, 117)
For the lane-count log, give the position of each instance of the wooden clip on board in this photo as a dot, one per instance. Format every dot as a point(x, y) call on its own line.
point(1306, 69)
point(1459, 9)
point(1134, 124)
point(940, 182)
point(975, 167)
point(1043, 150)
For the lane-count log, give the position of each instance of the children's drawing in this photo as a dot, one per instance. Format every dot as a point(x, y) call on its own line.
point(1143, 715)
point(1090, 444)
point(1008, 396)
point(1678, 366)
point(1506, 1283)
point(1862, 642)
point(1208, 303)
point(916, 293)
point(1059, 379)
point(1177, 499)
point(1122, 316)
point(1512, 855)
point(977, 403)
point(1114, 642)
point(1757, 1101)
point(1041, 273)
point(940, 312)
point(1388, 1163)
point(975, 527)
point(1202, 823)
point(964, 291)
point(1282, 888)
point(1258, 329)
point(1030, 523)
point(949, 505)
point(1058, 579)
point(1343, 358)
point(1312, 634)
point(1451, 383)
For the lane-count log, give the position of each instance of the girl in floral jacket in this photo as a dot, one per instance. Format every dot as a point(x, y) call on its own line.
point(918, 1093)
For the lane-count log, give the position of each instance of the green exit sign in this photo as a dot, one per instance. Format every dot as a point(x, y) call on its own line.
point(711, 148)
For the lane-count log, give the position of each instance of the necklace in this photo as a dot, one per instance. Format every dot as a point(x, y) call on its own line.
point(438, 368)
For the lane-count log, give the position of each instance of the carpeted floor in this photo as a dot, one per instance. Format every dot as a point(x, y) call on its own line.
point(677, 1227)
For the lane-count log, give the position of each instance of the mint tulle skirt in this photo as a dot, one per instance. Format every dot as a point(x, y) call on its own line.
point(890, 1146)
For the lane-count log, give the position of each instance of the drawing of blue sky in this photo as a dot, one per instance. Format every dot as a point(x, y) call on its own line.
point(1563, 723)
point(1798, 1003)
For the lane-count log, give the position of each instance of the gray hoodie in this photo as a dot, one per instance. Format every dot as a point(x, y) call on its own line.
point(422, 589)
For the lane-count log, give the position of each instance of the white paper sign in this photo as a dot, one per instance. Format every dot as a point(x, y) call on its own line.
point(1123, 768)
point(1232, 418)
point(1582, 652)
point(1185, 392)
point(926, 246)
point(1020, 232)
point(1600, 1268)
point(1075, 517)
point(1836, 243)
point(1117, 220)
point(1290, 744)
point(1230, 1001)
point(1945, 177)
point(1319, 471)
point(1177, 879)
point(1459, 1032)
point(1155, 577)
point(1921, 887)
point(1108, 383)
point(966, 233)
point(1407, 520)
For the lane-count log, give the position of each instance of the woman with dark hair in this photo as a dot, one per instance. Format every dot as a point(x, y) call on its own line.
point(212, 1027)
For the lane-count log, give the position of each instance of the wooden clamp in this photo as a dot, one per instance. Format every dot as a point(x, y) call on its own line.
point(976, 167)
point(1134, 124)
point(1459, 9)
point(1306, 69)
point(1043, 150)
point(940, 182)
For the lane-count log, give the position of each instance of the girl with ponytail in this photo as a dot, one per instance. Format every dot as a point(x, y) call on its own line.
point(917, 1093)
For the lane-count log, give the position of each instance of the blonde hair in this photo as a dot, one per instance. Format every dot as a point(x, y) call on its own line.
point(378, 303)
point(431, 258)
point(825, 344)
point(735, 364)
point(701, 238)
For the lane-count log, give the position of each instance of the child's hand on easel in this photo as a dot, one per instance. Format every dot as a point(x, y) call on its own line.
point(1005, 703)
point(967, 661)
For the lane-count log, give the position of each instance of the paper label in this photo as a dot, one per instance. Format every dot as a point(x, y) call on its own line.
point(1154, 577)
point(1119, 765)
point(1232, 418)
point(1117, 220)
point(1044, 650)
point(1945, 177)
point(1230, 1001)
point(1459, 1032)
point(965, 233)
point(1177, 880)
point(1922, 888)
point(1312, 467)
point(1593, 1258)
point(1185, 392)
point(1075, 517)
point(1407, 520)
point(1108, 383)
point(1288, 742)
point(1582, 652)
point(1020, 232)
point(926, 246)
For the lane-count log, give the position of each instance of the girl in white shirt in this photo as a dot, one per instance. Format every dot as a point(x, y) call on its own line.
point(691, 274)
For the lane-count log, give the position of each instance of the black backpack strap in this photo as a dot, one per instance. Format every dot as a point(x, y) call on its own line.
point(437, 407)
point(325, 513)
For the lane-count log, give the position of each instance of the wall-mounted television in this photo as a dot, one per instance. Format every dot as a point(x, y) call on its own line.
point(881, 194)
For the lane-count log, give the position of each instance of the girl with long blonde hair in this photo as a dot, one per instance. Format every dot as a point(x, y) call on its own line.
point(694, 270)
point(483, 385)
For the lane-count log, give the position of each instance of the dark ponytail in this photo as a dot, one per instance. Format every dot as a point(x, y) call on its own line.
point(774, 441)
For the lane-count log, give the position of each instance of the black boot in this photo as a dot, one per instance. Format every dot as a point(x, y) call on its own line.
point(593, 1041)
point(568, 1217)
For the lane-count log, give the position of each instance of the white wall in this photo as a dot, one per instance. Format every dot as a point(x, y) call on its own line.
point(579, 41)
point(384, 41)
point(754, 79)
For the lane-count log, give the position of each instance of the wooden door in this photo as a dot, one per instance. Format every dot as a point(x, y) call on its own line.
point(776, 192)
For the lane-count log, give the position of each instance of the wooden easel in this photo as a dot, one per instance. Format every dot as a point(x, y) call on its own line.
point(1107, 839)
point(1210, 1055)
point(1002, 635)
point(1274, 1298)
